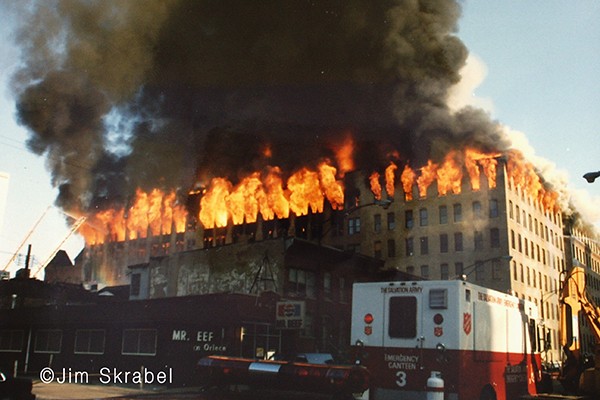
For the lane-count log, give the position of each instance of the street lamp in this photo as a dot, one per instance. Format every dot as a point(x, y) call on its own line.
point(591, 176)
point(464, 276)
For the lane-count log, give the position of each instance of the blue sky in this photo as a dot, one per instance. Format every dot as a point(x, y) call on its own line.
point(540, 60)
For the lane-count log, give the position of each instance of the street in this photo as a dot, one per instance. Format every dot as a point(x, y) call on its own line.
point(55, 391)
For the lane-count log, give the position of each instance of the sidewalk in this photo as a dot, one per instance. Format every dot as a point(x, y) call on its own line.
point(71, 391)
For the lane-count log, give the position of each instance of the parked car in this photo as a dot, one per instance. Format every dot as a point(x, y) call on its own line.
point(15, 388)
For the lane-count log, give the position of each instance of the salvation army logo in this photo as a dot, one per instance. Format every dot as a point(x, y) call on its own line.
point(467, 323)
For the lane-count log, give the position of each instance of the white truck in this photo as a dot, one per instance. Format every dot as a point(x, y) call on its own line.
point(450, 339)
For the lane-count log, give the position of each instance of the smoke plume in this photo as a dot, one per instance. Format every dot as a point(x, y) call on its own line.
point(125, 94)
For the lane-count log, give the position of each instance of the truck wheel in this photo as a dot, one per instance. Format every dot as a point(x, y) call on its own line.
point(487, 393)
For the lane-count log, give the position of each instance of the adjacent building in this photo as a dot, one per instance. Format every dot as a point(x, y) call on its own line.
point(582, 250)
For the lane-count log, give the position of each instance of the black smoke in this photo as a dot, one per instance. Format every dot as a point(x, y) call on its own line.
point(125, 94)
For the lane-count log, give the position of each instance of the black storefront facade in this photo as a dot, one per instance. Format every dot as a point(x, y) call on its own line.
point(165, 338)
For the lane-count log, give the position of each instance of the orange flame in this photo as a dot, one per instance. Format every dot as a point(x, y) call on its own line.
point(344, 156)
point(474, 160)
point(523, 175)
point(277, 203)
point(153, 213)
point(389, 179)
point(375, 185)
point(213, 204)
point(449, 176)
point(334, 190)
point(428, 175)
point(268, 194)
point(408, 178)
point(305, 190)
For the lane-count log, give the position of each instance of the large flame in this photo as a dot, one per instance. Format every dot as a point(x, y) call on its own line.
point(449, 173)
point(523, 175)
point(153, 213)
point(305, 190)
point(375, 185)
point(270, 195)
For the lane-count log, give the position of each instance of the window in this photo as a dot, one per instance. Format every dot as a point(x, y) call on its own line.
point(518, 214)
point(301, 282)
point(444, 272)
point(139, 342)
point(458, 241)
point(391, 221)
point(377, 249)
point(11, 340)
point(311, 284)
point(423, 217)
point(408, 219)
point(493, 208)
point(410, 246)
point(353, 226)
point(402, 322)
point(424, 242)
point(510, 210)
point(496, 270)
point(136, 280)
point(458, 268)
point(477, 209)
point(438, 299)
point(353, 248)
point(425, 271)
point(48, 341)
point(410, 270)
point(443, 215)
point(457, 212)
point(512, 239)
point(522, 273)
point(391, 245)
point(377, 223)
point(443, 243)
point(89, 341)
point(327, 284)
point(308, 324)
point(494, 238)
point(342, 284)
point(479, 271)
point(478, 238)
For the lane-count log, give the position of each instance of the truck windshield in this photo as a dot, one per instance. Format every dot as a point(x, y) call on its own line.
point(403, 317)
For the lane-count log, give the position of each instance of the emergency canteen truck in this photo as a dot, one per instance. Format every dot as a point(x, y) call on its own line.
point(449, 340)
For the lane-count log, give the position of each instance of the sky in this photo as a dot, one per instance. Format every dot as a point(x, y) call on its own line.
point(533, 66)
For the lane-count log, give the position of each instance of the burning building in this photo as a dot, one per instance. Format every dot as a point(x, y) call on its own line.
point(176, 126)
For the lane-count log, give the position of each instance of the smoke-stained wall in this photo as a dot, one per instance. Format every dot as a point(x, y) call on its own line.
point(235, 268)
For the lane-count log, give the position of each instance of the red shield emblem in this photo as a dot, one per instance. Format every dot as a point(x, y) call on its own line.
point(467, 323)
point(368, 330)
point(438, 331)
